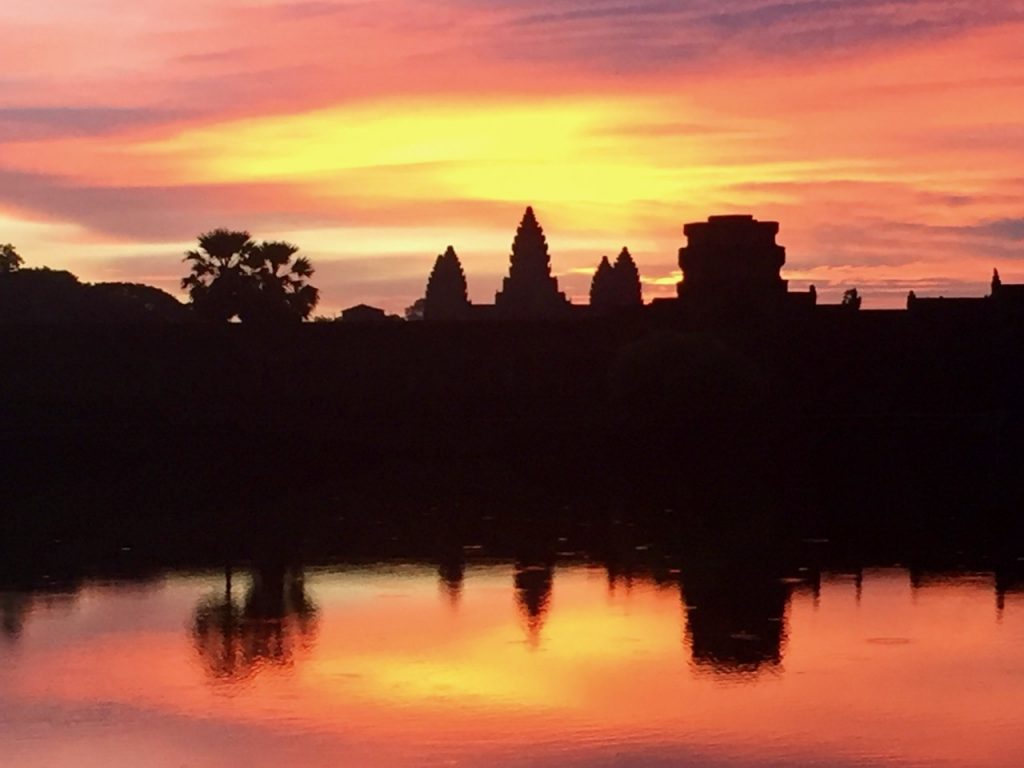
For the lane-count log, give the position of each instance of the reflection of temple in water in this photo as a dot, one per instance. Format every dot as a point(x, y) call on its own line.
point(274, 622)
point(1009, 579)
point(451, 574)
point(1006, 580)
point(533, 585)
point(735, 619)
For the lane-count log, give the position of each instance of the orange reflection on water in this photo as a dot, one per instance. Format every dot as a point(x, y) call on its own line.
point(557, 668)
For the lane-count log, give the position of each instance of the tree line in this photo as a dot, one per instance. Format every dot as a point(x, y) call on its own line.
point(231, 277)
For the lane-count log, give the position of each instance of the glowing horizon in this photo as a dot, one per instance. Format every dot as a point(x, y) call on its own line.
point(884, 137)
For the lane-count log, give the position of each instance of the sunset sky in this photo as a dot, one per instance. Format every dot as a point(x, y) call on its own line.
point(887, 136)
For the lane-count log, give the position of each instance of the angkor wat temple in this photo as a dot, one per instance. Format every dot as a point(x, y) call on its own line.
point(737, 399)
point(731, 268)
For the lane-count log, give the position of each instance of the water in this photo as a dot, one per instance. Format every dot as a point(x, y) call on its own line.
point(411, 665)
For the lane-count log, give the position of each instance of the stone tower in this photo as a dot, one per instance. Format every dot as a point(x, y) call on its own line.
point(530, 291)
point(732, 264)
point(446, 297)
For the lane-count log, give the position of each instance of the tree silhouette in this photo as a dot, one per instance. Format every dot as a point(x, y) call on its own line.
point(216, 633)
point(851, 299)
point(51, 296)
point(447, 294)
point(14, 608)
point(233, 276)
point(272, 626)
point(414, 312)
point(10, 261)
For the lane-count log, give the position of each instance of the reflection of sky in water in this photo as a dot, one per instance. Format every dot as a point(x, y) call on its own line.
point(396, 666)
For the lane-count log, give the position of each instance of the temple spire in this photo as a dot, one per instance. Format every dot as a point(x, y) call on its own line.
point(530, 290)
point(602, 287)
point(616, 287)
point(447, 296)
point(628, 292)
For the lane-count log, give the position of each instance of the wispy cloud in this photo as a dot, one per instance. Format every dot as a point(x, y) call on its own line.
point(635, 36)
point(34, 123)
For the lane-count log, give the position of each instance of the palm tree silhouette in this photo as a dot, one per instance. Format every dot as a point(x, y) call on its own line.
point(232, 276)
point(271, 626)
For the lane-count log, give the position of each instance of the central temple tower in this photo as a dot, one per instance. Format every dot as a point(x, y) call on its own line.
point(530, 290)
point(732, 263)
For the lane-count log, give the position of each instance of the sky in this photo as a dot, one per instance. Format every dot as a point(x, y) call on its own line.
point(887, 136)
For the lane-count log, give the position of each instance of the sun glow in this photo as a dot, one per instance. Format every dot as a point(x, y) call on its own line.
point(587, 151)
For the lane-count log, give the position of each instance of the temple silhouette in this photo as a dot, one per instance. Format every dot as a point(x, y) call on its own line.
point(732, 272)
point(733, 264)
point(530, 290)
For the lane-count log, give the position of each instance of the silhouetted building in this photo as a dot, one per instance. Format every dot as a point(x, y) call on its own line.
point(363, 313)
point(940, 306)
point(732, 264)
point(1004, 299)
point(602, 285)
point(1006, 296)
point(628, 292)
point(447, 294)
point(530, 291)
point(616, 287)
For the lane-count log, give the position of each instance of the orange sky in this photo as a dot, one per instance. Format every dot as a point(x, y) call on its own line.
point(886, 136)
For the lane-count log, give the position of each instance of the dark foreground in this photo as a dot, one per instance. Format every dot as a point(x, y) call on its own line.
point(208, 444)
point(583, 545)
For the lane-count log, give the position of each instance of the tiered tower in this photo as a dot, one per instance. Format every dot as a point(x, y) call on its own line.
point(616, 287)
point(732, 263)
point(530, 291)
point(447, 296)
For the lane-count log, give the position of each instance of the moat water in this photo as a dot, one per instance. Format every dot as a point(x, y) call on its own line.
point(492, 665)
